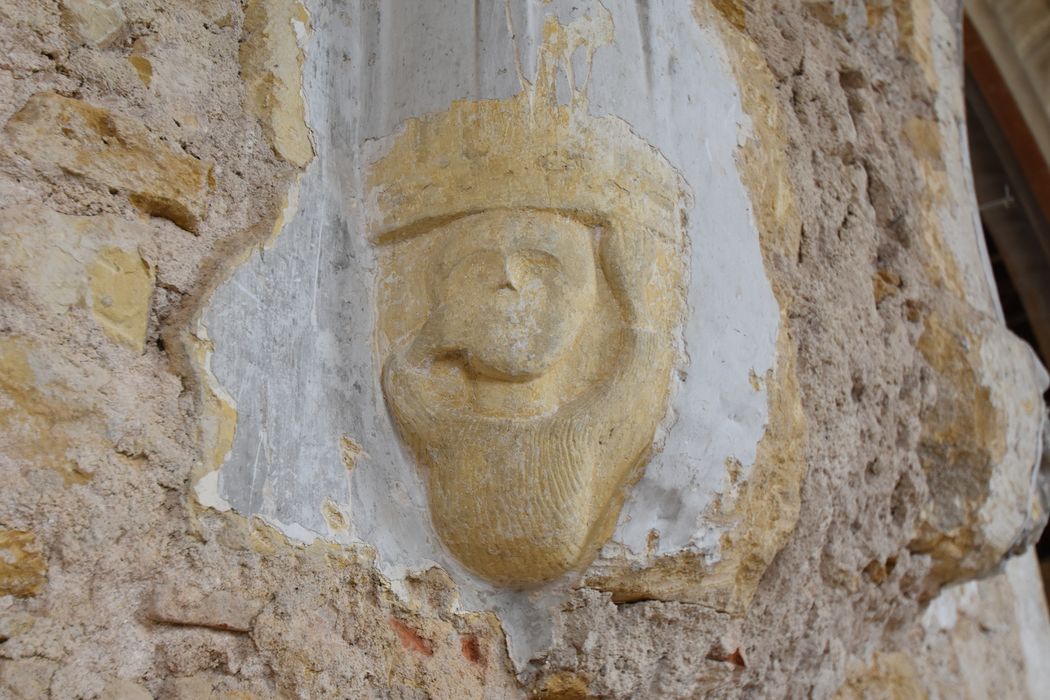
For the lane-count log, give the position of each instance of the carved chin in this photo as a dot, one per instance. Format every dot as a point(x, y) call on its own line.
point(520, 516)
point(518, 501)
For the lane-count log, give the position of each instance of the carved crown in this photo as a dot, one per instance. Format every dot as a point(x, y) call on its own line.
point(516, 153)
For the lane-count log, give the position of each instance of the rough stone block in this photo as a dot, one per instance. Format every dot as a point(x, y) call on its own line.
point(23, 571)
point(182, 605)
point(215, 686)
point(46, 415)
point(100, 23)
point(980, 445)
point(121, 689)
point(117, 151)
point(271, 63)
point(26, 678)
point(62, 262)
point(121, 284)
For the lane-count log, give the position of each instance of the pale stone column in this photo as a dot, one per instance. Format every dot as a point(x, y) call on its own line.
point(622, 117)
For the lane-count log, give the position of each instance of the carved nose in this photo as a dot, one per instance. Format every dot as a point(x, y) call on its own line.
point(512, 273)
point(508, 281)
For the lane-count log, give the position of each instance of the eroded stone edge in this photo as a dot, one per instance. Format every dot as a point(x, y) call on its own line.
point(759, 518)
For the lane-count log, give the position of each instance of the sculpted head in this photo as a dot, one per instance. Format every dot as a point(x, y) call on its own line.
point(531, 284)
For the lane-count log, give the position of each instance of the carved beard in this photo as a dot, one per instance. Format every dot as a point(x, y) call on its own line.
point(521, 501)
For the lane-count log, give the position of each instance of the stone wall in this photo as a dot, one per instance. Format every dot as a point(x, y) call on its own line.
point(160, 161)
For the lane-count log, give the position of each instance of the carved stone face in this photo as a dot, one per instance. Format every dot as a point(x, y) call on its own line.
point(511, 291)
point(526, 356)
point(531, 387)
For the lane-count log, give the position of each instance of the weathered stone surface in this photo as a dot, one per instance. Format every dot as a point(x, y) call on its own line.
point(765, 509)
point(44, 419)
point(67, 262)
point(26, 679)
point(126, 690)
point(980, 638)
point(891, 676)
point(142, 67)
point(851, 163)
point(180, 604)
point(980, 445)
point(114, 150)
point(214, 686)
point(271, 63)
point(98, 22)
point(23, 571)
point(121, 284)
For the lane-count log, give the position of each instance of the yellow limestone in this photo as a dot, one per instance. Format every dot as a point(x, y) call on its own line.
point(531, 287)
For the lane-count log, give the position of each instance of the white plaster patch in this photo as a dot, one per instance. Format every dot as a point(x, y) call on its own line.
point(292, 327)
point(207, 491)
